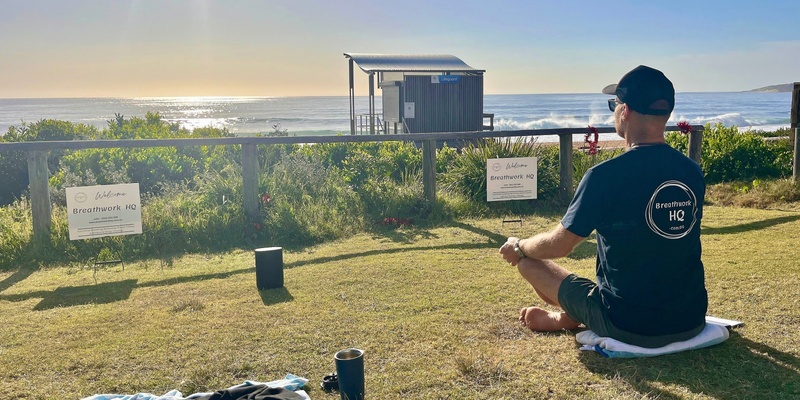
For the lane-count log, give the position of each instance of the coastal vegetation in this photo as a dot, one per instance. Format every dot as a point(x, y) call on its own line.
point(311, 194)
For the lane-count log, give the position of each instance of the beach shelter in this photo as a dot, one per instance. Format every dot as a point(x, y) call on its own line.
point(420, 94)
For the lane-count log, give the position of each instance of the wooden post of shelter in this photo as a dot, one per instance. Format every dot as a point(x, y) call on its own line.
point(38, 176)
point(565, 164)
point(250, 180)
point(794, 126)
point(429, 169)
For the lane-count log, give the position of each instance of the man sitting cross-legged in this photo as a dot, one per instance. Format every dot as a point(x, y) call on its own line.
point(645, 206)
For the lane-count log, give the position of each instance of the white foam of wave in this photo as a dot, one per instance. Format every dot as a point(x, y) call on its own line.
point(194, 123)
point(729, 119)
point(554, 121)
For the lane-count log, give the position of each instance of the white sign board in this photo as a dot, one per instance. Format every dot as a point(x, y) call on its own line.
point(511, 178)
point(408, 110)
point(107, 210)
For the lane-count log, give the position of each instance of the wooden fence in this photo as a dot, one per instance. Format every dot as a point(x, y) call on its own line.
point(39, 175)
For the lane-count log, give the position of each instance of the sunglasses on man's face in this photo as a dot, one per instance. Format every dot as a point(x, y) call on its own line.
point(612, 104)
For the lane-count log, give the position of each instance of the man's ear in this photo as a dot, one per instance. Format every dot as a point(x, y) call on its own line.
point(625, 112)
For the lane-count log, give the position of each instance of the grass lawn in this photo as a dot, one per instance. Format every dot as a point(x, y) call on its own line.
point(434, 310)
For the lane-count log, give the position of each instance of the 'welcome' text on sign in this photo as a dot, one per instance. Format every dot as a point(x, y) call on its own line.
point(511, 178)
point(107, 210)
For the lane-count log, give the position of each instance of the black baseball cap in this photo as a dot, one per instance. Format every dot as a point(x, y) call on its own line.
point(645, 90)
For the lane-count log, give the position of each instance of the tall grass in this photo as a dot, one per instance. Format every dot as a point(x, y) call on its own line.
point(758, 193)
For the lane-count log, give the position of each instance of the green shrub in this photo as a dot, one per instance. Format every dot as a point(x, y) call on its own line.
point(370, 161)
point(387, 176)
point(445, 158)
point(785, 132)
point(678, 141)
point(381, 160)
point(192, 196)
point(151, 167)
point(730, 155)
point(304, 203)
point(14, 164)
point(384, 198)
point(16, 231)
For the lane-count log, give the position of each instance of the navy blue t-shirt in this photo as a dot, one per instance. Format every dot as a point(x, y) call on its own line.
point(645, 206)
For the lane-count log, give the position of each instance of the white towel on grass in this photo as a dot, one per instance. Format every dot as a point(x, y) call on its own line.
point(290, 382)
point(612, 348)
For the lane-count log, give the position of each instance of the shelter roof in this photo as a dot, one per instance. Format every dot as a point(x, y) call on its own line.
point(410, 63)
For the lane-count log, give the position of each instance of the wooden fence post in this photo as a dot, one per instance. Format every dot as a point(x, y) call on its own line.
point(429, 169)
point(250, 180)
point(696, 145)
point(794, 125)
point(565, 164)
point(38, 176)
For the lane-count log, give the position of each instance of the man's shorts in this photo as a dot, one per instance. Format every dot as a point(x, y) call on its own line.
point(580, 299)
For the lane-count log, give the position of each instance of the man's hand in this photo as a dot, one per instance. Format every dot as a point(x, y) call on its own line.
point(507, 250)
point(556, 243)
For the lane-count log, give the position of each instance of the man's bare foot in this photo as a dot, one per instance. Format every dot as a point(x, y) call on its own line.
point(540, 320)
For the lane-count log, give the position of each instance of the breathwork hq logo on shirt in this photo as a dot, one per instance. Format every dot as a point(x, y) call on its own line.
point(672, 210)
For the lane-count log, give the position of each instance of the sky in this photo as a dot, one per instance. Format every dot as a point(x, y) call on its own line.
point(166, 48)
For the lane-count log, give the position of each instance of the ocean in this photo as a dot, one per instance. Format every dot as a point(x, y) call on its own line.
point(245, 116)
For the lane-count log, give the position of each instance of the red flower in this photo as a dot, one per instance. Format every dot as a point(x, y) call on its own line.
point(592, 144)
point(397, 221)
point(684, 127)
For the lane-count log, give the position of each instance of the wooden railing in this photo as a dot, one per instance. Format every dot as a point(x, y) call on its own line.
point(39, 175)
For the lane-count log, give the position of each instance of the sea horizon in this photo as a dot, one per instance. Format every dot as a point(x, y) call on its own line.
point(338, 95)
point(330, 115)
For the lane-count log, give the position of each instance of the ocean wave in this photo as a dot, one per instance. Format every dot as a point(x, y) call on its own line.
point(737, 120)
point(729, 119)
point(553, 122)
point(194, 123)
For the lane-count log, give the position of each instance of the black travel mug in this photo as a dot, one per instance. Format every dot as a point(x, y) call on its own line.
point(350, 370)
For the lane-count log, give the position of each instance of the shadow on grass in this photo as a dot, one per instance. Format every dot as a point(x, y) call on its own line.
point(493, 237)
point(15, 278)
point(750, 226)
point(77, 295)
point(494, 241)
point(93, 294)
point(736, 369)
point(197, 278)
point(275, 296)
point(405, 235)
point(108, 292)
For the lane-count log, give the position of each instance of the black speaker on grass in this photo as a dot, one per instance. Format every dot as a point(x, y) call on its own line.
point(269, 268)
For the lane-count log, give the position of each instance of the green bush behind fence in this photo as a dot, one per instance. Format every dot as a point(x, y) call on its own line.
point(309, 193)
